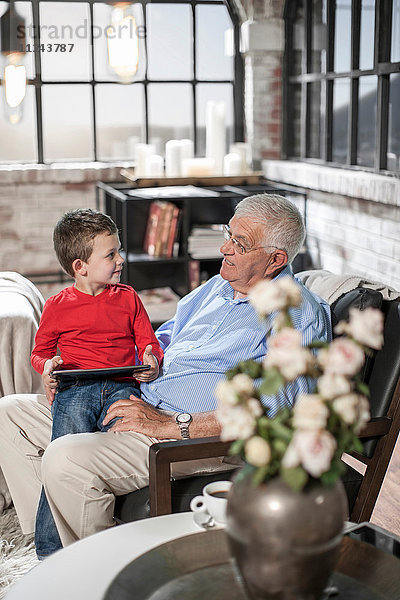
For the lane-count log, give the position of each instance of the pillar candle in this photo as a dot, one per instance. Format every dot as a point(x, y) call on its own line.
point(154, 166)
point(142, 152)
point(244, 151)
point(197, 167)
point(215, 134)
point(232, 164)
point(173, 158)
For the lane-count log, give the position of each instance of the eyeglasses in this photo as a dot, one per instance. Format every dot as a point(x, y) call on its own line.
point(238, 246)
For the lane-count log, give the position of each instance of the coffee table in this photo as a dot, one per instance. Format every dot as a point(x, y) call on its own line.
point(85, 569)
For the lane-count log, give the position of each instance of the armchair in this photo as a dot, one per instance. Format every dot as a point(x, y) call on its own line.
point(381, 372)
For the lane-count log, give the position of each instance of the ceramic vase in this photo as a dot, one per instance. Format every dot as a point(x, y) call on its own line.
point(284, 543)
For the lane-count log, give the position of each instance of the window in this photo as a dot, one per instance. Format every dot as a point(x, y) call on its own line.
point(342, 83)
point(76, 109)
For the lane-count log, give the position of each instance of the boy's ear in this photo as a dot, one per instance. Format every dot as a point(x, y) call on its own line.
point(79, 266)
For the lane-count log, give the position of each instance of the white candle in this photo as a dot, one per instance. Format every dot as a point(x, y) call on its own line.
point(133, 140)
point(187, 149)
point(232, 164)
point(173, 158)
point(154, 166)
point(198, 167)
point(215, 134)
point(142, 152)
point(244, 151)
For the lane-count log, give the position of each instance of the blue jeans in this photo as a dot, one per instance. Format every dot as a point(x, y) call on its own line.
point(78, 407)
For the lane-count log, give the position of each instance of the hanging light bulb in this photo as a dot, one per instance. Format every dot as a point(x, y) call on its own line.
point(126, 53)
point(14, 76)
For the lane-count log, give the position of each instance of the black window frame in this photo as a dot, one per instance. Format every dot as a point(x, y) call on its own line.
point(383, 68)
point(237, 82)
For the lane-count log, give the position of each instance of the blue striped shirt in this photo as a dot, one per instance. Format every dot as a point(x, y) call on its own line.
point(210, 333)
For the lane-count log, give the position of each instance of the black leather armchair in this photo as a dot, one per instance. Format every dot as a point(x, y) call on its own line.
point(381, 372)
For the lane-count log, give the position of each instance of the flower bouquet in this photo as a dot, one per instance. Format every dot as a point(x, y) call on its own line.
point(303, 443)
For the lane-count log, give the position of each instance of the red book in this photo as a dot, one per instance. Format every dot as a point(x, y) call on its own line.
point(152, 228)
point(173, 231)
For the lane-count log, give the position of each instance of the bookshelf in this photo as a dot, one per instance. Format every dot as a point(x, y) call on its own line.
point(130, 212)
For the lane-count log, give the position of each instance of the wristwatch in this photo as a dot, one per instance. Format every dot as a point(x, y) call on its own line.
point(184, 420)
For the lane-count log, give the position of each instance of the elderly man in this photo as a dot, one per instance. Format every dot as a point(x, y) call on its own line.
point(214, 328)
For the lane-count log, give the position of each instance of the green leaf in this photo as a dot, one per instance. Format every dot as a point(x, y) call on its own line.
point(358, 445)
point(296, 478)
point(272, 382)
point(281, 431)
point(246, 470)
point(362, 388)
point(237, 447)
point(260, 475)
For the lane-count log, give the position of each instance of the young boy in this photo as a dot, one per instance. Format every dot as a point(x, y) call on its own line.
point(95, 323)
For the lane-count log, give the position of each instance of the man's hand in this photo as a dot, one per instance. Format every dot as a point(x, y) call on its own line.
point(137, 415)
point(148, 359)
point(49, 383)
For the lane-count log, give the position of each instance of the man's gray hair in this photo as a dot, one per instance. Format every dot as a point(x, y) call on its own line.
point(284, 225)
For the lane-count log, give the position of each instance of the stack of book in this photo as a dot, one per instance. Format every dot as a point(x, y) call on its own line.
point(160, 303)
point(205, 241)
point(162, 229)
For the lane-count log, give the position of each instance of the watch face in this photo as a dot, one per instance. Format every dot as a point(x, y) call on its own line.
point(184, 418)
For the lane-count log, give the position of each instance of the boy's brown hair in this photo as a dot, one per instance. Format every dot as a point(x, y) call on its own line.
point(74, 234)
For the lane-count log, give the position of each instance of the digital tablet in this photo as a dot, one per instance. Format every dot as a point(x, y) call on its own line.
point(106, 373)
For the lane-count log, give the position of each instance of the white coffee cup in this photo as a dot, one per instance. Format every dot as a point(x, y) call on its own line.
point(211, 506)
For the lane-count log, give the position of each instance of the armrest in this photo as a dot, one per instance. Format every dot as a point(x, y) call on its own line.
point(376, 427)
point(162, 454)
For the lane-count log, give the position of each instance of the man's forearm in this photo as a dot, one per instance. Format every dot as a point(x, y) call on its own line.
point(204, 425)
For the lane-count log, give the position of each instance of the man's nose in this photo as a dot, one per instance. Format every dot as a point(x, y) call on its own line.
point(227, 247)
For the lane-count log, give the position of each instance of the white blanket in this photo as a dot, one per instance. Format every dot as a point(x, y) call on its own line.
point(330, 286)
point(21, 305)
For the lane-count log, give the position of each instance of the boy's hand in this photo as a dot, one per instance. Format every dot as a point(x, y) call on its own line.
point(49, 383)
point(148, 359)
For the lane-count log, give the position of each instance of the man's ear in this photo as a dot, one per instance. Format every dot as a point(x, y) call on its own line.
point(276, 262)
point(79, 267)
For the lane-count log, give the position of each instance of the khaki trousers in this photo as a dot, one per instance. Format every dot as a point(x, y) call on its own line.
point(81, 473)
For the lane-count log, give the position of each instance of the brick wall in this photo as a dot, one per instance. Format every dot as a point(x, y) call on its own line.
point(353, 219)
point(31, 202)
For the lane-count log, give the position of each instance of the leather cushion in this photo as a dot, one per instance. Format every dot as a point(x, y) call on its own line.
point(361, 298)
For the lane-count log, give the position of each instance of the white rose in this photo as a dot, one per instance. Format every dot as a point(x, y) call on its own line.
point(291, 290)
point(310, 412)
point(287, 338)
point(331, 386)
point(266, 297)
point(237, 423)
point(269, 296)
point(291, 363)
point(343, 357)
point(254, 407)
point(312, 449)
point(226, 393)
point(353, 409)
point(243, 384)
point(366, 327)
point(257, 451)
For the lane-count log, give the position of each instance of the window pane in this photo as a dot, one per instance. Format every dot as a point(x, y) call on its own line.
point(24, 9)
point(295, 65)
point(367, 120)
point(65, 36)
point(396, 31)
point(67, 122)
point(169, 41)
point(318, 39)
point(341, 102)
point(170, 113)
point(119, 119)
point(342, 36)
point(315, 120)
point(102, 19)
point(393, 158)
point(213, 62)
point(21, 138)
point(218, 93)
point(367, 34)
point(294, 149)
